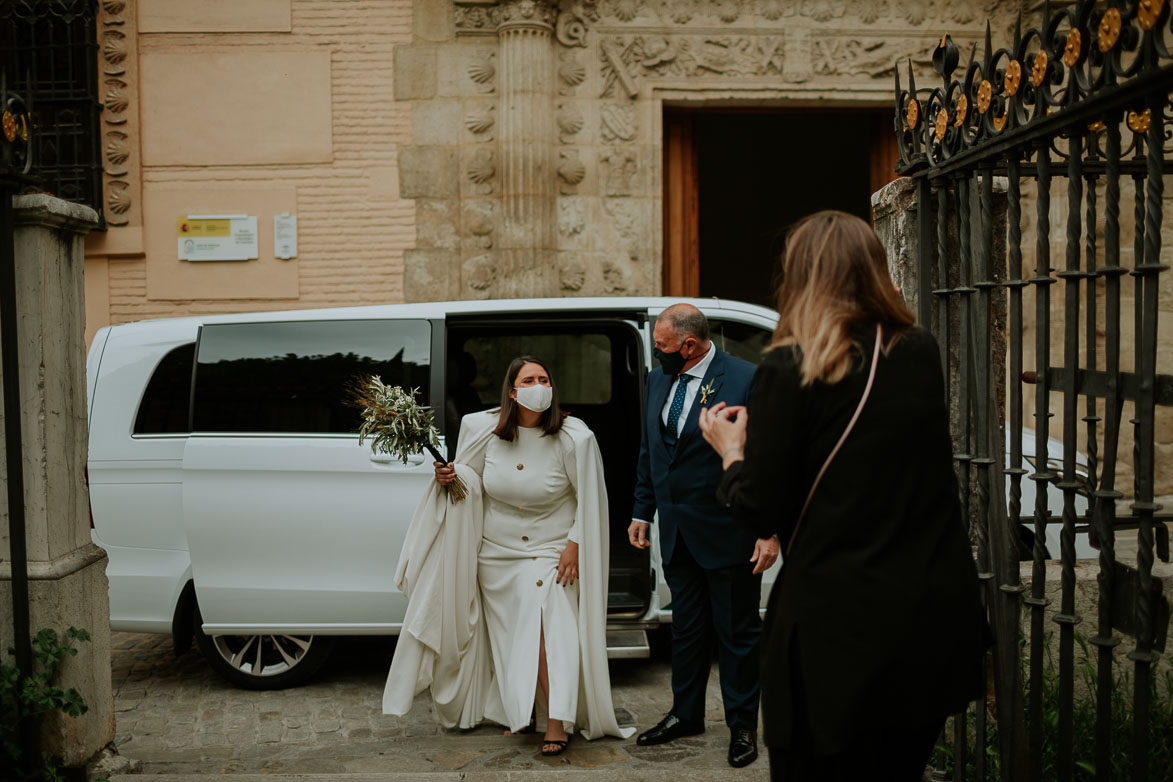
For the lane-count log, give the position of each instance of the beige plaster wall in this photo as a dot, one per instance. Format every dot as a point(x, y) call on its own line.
point(291, 116)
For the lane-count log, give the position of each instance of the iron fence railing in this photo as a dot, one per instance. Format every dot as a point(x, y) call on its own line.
point(1083, 96)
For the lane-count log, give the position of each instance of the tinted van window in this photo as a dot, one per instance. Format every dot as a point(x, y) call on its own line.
point(167, 401)
point(742, 340)
point(298, 377)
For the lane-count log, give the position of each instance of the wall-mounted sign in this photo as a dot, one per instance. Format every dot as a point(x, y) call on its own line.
point(217, 237)
point(285, 235)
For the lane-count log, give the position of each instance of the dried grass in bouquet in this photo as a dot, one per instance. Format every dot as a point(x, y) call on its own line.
point(397, 425)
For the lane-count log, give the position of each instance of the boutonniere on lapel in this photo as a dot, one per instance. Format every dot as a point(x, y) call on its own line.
point(706, 392)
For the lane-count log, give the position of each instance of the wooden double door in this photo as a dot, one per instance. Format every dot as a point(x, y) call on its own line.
point(735, 180)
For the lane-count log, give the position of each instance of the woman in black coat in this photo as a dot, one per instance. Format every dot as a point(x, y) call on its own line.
point(874, 631)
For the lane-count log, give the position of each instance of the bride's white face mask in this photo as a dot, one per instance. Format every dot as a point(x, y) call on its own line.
point(536, 397)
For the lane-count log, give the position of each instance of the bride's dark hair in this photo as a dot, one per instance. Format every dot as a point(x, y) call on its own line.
point(551, 420)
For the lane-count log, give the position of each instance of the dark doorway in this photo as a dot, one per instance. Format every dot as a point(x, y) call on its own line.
point(745, 177)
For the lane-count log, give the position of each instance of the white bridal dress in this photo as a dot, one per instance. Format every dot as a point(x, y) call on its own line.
point(480, 580)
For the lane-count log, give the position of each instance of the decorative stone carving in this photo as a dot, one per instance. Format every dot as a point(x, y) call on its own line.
point(480, 122)
point(571, 217)
point(571, 73)
point(834, 55)
point(569, 121)
point(679, 11)
point(481, 170)
point(625, 214)
point(620, 167)
point(571, 274)
point(525, 13)
point(915, 11)
point(615, 67)
point(869, 12)
point(117, 152)
point(727, 10)
point(483, 71)
point(772, 9)
point(570, 30)
point(118, 61)
point(474, 20)
point(478, 274)
point(824, 10)
point(571, 171)
point(616, 274)
point(477, 223)
point(617, 122)
point(623, 10)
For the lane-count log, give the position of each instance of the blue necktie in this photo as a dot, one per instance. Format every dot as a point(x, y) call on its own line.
point(677, 405)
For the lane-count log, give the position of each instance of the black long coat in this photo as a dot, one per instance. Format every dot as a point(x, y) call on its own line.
point(876, 614)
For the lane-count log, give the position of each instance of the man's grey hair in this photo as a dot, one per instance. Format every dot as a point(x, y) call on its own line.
point(687, 321)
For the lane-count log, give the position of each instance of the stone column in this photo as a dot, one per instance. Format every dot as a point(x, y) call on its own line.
point(525, 153)
point(67, 572)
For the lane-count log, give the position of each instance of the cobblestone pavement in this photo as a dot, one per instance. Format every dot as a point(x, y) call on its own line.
point(178, 717)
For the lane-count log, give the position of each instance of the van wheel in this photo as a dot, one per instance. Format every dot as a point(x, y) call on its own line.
point(263, 662)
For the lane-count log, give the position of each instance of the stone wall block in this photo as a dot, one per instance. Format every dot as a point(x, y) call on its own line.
point(415, 72)
point(436, 221)
point(428, 172)
point(432, 21)
point(431, 275)
point(438, 121)
point(67, 580)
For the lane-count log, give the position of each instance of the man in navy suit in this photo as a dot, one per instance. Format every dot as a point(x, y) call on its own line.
point(712, 566)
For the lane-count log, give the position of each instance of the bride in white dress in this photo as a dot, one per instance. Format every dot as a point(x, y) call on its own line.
point(534, 533)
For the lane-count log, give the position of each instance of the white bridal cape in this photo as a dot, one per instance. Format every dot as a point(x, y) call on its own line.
point(444, 641)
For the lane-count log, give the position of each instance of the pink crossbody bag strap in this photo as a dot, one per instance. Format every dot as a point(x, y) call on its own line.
point(867, 390)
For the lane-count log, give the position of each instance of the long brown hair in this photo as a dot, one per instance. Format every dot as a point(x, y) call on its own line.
point(834, 280)
point(551, 420)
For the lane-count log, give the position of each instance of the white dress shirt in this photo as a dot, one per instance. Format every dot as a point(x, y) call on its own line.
point(697, 372)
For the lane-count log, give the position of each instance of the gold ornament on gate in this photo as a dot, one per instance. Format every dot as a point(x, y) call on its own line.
point(1109, 31)
point(1073, 48)
point(1140, 122)
point(9, 124)
point(962, 111)
point(1013, 78)
point(1148, 13)
point(942, 124)
point(1095, 126)
point(985, 95)
point(1039, 74)
point(1000, 122)
point(912, 114)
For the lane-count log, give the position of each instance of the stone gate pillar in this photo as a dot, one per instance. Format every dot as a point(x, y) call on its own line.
point(66, 571)
point(525, 152)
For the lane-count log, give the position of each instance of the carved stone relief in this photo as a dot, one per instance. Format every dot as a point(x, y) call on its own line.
point(619, 170)
point(569, 120)
point(482, 168)
point(478, 275)
point(480, 121)
point(625, 217)
point(120, 167)
point(617, 273)
point(571, 274)
point(483, 71)
point(477, 223)
point(571, 73)
point(617, 122)
point(571, 217)
point(571, 171)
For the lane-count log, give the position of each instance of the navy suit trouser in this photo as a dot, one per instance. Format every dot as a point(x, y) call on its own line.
point(719, 603)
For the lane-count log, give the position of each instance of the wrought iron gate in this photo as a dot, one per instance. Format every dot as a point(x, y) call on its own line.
point(1083, 96)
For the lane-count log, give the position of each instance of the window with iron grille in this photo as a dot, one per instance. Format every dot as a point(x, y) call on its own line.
point(48, 54)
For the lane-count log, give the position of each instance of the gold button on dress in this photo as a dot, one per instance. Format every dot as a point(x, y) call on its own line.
point(539, 582)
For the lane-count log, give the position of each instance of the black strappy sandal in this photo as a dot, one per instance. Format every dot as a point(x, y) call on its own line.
point(561, 745)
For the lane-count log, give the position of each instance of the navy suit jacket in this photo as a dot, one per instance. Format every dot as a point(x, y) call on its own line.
point(681, 483)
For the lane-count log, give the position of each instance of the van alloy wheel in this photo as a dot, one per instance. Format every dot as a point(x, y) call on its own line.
point(263, 662)
point(263, 655)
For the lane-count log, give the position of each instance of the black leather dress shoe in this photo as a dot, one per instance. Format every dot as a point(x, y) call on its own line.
point(743, 747)
point(669, 729)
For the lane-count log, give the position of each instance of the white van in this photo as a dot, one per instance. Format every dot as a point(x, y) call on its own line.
point(228, 486)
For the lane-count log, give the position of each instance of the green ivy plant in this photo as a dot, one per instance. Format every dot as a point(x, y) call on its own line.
point(37, 696)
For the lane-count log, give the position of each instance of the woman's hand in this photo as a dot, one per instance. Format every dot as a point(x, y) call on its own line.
point(568, 565)
point(445, 473)
point(724, 428)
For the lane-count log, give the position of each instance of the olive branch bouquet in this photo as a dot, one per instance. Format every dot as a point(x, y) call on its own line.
point(397, 425)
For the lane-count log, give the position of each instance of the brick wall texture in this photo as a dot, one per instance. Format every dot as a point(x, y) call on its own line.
point(353, 227)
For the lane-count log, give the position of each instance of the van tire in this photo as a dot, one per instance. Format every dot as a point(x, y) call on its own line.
point(308, 652)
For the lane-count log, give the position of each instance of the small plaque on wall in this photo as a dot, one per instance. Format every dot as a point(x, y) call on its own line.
point(285, 236)
point(217, 238)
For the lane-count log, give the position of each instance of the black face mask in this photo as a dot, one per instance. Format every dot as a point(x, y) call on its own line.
point(671, 363)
